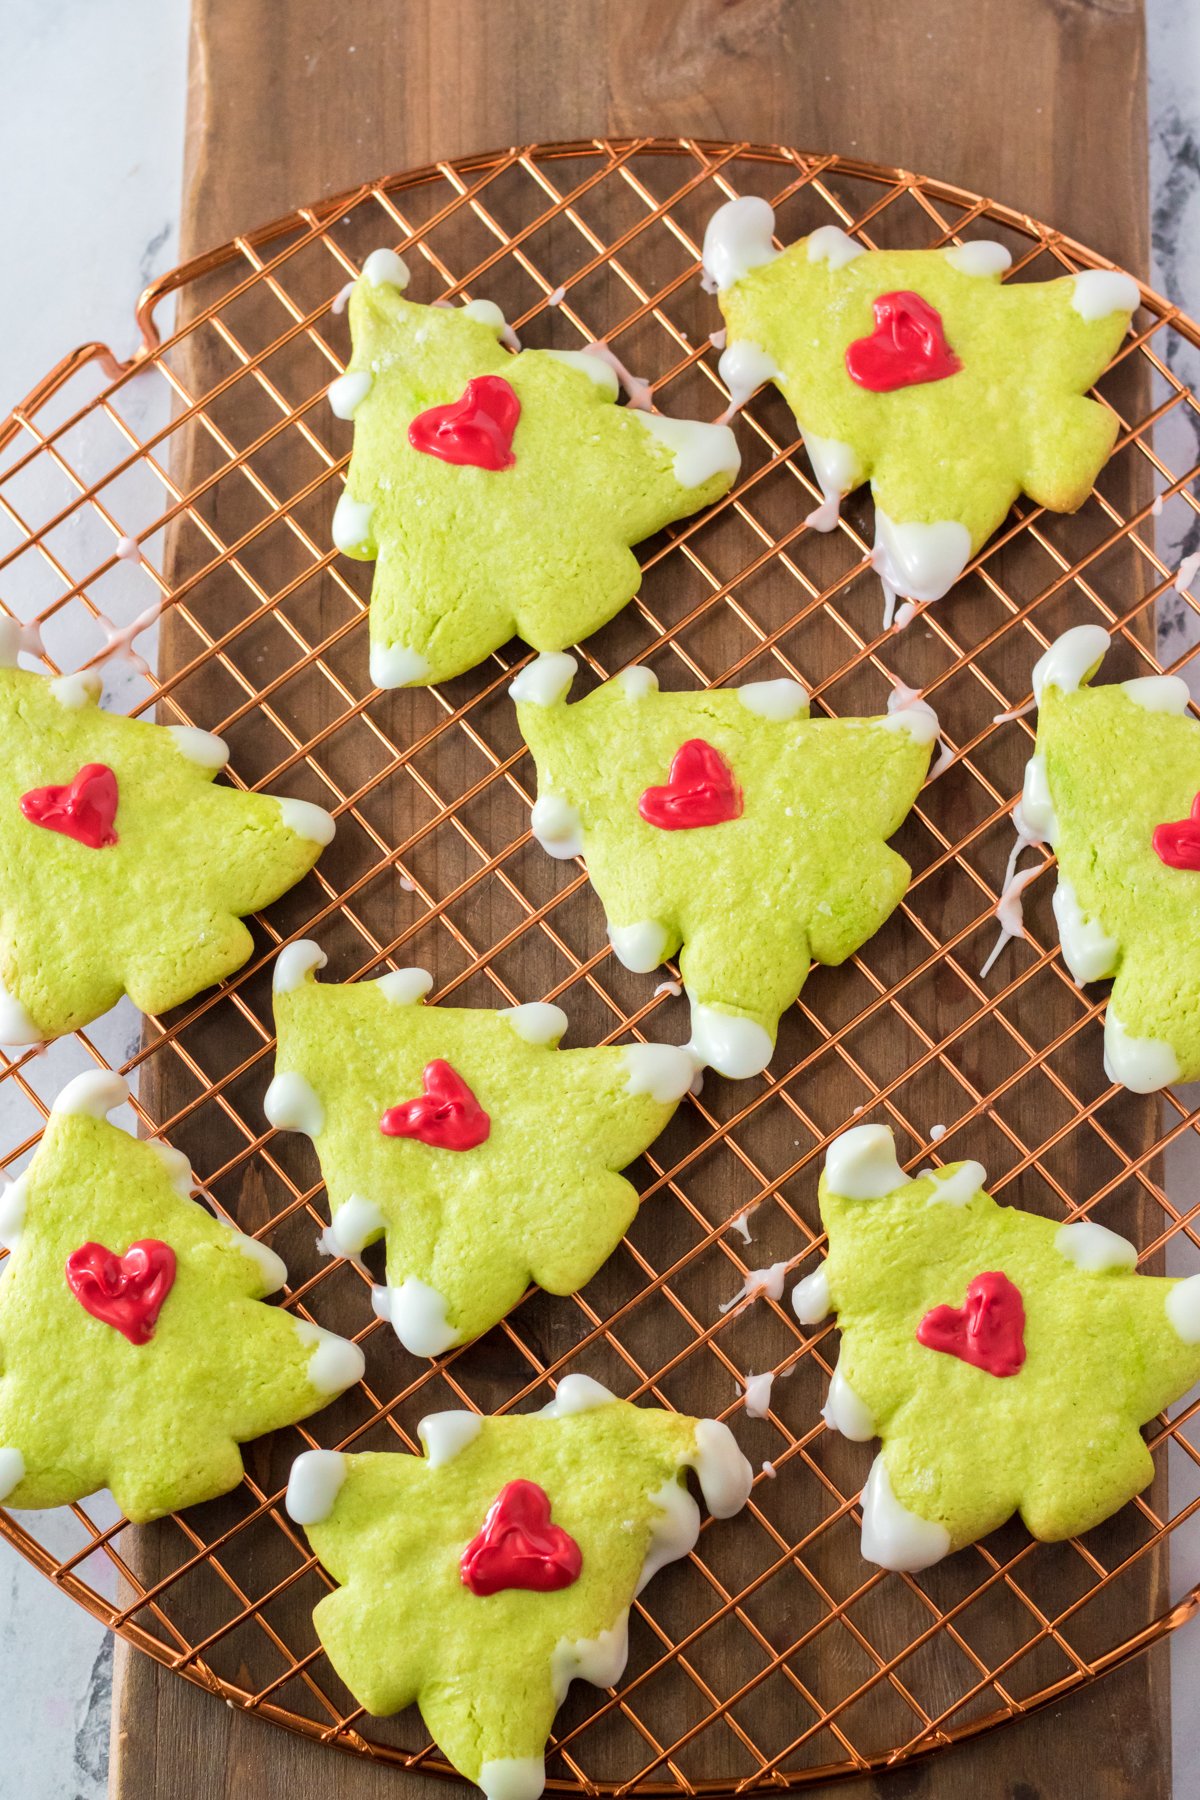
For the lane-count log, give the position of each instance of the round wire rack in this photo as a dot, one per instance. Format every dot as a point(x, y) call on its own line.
point(197, 482)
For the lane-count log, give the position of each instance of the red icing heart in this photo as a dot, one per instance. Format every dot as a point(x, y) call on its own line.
point(447, 1115)
point(519, 1547)
point(908, 346)
point(987, 1331)
point(127, 1291)
point(700, 790)
point(84, 809)
point(1178, 844)
point(476, 429)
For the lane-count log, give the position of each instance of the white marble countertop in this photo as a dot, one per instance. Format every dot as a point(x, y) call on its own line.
point(94, 95)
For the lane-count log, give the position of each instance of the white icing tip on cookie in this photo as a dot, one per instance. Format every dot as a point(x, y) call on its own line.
point(486, 312)
point(417, 1315)
point(12, 1212)
point(351, 527)
point(385, 268)
point(314, 1484)
point(838, 472)
point(640, 947)
point(1183, 1309)
point(744, 367)
point(637, 682)
point(922, 562)
point(844, 1412)
point(271, 1267)
point(811, 1299)
point(444, 1434)
point(957, 1184)
point(204, 748)
point(1141, 1064)
point(335, 1364)
point(356, 1223)
point(347, 393)
point(557, 826)
point(396, 666)
point(829, 243)
point(291, 1105)
point(725, 1476)
point(982, 256)
point(600, 1660)
point(538, 1021)
point(295, 963)
point(15, 638)
point(664, 1071)
point(736, 240)
point(513, 1778)
point(861, 1164)
point(892, 1536)
point(92, 1096)
point(575, 1394)
point(404, 987)
point(179, 1169)
point(1089, 953)
point(1033, 815)
point(77, 691)
point(1094, 1248)
point(700, 452)
point(1097, 293)
point(730, 1043)
point(597, 370)
point(1071, 660)
point(546, 681)
point(12, 1470)
point(16, 1027)
point(780, 699)
point(906, 711)
point(758, 1395)
point(1158, 693)
point(673, 1532)
point(307, 821)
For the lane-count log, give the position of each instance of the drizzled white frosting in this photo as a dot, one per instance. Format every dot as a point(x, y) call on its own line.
point(1158, 693)
point(179, 1174)
point(575, 1394)
point(385, 268)
point(306, 820)
point(1141, 1064)
point(204, 748)
point(12, 1469)
point(294, 963)
point(957, 1186)
point(13, 1200)
point(417, 1315)
point(77, 691)
point(844, 1412)
point(356, 1223)
point(636, 682)
point(699, 451)
point(737, 239)
point(725, 1476)
point(779, 699)
point(1033, 815)
point(291, 1105)
point(758, 1394)
point(538, 1021)
point(811, 1299)
point(893, 1537)
point(444, 1434)
point(546, 681)
point(16, 1026)
point(600, 1660)
point(664, 1071)
point(513, 1778)
point(352, 525)
point(1089, 953)
point(1070, 659)
point(335, 1363)
point(596, 368)
point(1094, 1247)
point(91, 1096)
point(829, 243)
point(404, 987)
point(838, 472)
point(733, 1045)
point(1099, 292)
point(347, 393)
point(639, 947)
point(922, 562)
point(396, 666)
point(861, 1164)
point(1183, 1309)
point(982, 256)
point(314, 1484)
point(557, 826)
point(744, 367)
point(759, 1282)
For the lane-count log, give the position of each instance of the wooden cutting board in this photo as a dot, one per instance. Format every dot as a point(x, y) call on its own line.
point(1040, 103)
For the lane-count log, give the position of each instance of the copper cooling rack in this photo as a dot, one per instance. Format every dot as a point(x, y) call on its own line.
point(199, 479)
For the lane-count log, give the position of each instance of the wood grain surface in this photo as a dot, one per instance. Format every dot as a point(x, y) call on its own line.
point(1040, 103)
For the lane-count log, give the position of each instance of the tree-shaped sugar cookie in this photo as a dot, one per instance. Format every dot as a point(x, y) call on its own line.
point(486, 1155)
point(123, 867)
point(1006, 1361)
point(1114, 786)
point(917, 371)
point(483, 1578)
point(729, 822)
point(135, 1350)
point(497, 493)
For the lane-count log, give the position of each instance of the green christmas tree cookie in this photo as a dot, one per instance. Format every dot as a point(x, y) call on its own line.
point(497, 493)
point(483, 1578)
point(1114, 787)
point(123, 868)
point(917, 371)
point(487, 1156)
point(135, 1350)
point(729, 822)
point(1006, 1361)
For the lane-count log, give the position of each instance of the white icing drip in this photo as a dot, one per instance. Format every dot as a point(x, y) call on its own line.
point(860, 1164)
point(640, 947)
point(486, 312)
point(937, 1133)
point(641, 393)
point(674, 1533)
point(1071, 660)
point(77, 691)
point(407, 886)
point(178, 1168)
point(1094, 1248)
point(769, 1470)
point(1183, 1309)
point(538, 1022)
point(741, 1225)
point(1016, 712)
point(736, 240)
point(893, 1537)
point(396, 666)
point(128, 549)
point(556, 296)
point(599, 1660)
point(347, 393)
point(118, 639)
point(1099, 292)
point(811, 1299)
point(700, 452)
point(16, 638)
point(590, 363)
point(203, 748)
point(384, 268)
point(307, 821)
point(356, 1223)
point(351, 529)
point(725, 1476)
point(575, 1394)
point(291, 1105)
point(557, 826)
point(271, 1267)
point(838, 471)
point(844, 1412)
point(404, 987)
point(907, 711)
point(759, 1282)
point(1157, 506)
point(779, 699)
point(444, 1434)
point(636, 682)
point(664, 1071)
point(904, 616)
point(758, 1395)
point(1010, 912)
point(982, 256)
point(829, 243)
point(1141, 1064)
point(1089, 953)
point(12, 1470)
point(91, 1096)
point(294, 963)
point(918, 562)
point(718, 339)
point(335, 1364)
point(667, 987)
point(16, 1027)
point(744, 367)
point(1158, 693)
point(13, 1200)
point(417, 1315)
point(513, 1778)
point(314, 1484)
point(1186, 573)
point(1033, 816)
point(733, 1045)
point(956, 1186)
point(546, 681)
point(338, 303)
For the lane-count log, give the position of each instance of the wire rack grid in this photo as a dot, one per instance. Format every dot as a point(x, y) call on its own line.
point(197, 482)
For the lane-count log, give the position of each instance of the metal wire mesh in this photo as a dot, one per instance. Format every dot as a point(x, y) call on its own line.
point(775, 1656)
